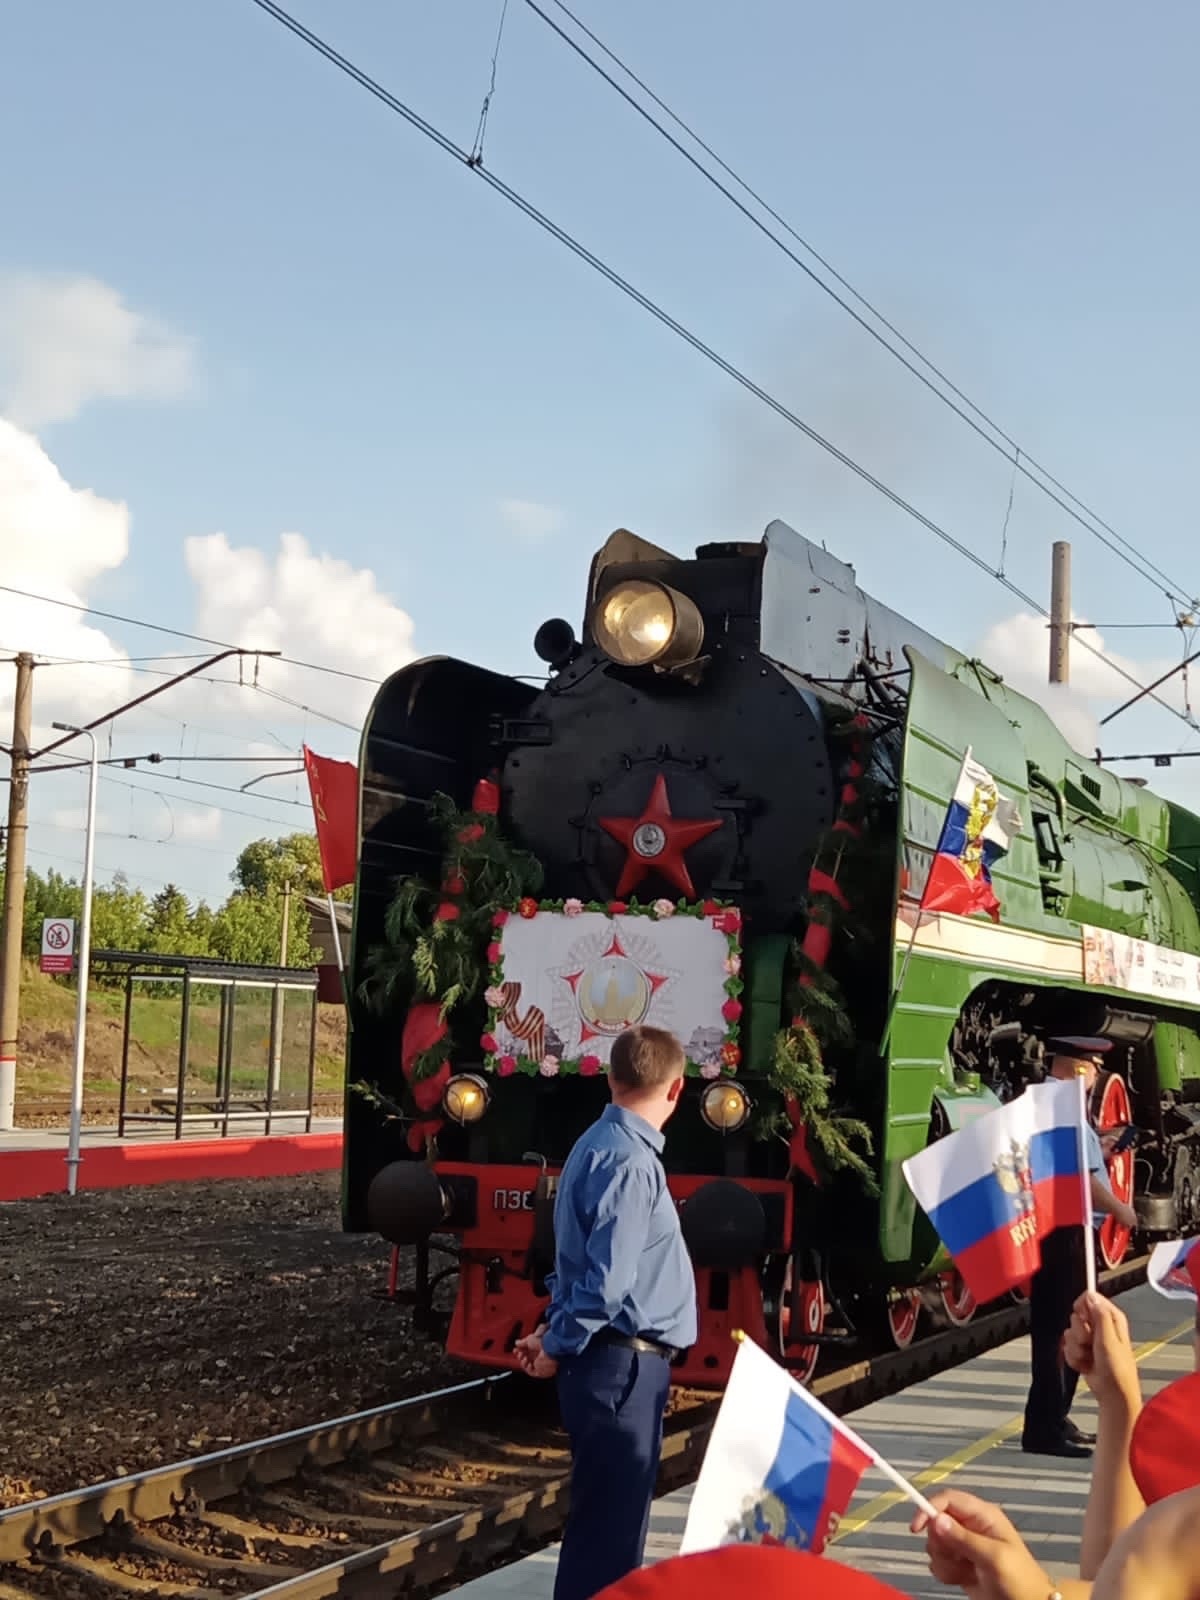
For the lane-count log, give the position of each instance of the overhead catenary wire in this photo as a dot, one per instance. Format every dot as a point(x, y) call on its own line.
point(515, 198)
point(979, 422)
point(180, 633)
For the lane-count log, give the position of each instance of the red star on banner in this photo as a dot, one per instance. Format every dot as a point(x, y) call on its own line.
point(656, 842)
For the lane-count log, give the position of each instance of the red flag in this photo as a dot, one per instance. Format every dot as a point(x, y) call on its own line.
point(334, 789)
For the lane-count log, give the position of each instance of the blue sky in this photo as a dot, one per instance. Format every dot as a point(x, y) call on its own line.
point(350, 338)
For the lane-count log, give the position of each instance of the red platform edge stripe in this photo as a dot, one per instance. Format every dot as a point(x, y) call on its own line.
point(26, 1174)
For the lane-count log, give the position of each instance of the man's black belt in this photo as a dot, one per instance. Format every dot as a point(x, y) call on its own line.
point(645, 1347)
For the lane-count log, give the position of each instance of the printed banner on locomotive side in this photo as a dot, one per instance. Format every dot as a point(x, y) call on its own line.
point(1117, 961)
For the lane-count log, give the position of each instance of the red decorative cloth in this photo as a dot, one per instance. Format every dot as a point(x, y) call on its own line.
point(767, 1572)
point(1164, 1453)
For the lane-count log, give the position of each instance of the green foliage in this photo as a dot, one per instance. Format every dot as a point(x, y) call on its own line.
point(248, 928)
point(266, 865)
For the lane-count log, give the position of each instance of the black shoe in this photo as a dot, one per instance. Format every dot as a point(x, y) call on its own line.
point(1074, 1435)
point(1067, 1448)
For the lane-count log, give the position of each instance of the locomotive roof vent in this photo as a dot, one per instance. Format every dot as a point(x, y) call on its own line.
point(731, 547)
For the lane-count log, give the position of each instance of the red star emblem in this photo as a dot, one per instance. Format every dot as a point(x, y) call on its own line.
point(656, 842)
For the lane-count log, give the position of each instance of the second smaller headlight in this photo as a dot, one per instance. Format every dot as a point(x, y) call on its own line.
point(465, 1098)
point(725, 1107)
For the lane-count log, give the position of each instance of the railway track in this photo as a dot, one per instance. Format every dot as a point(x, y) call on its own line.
point(402, 1498)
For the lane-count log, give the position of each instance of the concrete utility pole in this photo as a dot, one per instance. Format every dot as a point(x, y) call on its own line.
point(12, 927)
point(1060, 613)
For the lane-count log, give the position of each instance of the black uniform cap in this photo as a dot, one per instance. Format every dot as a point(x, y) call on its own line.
point(1077, 1049)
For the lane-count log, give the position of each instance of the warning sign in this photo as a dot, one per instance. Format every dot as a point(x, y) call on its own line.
point(58, 944)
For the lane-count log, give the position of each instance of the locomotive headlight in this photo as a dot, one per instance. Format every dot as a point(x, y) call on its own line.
point(643, 624)
point(725, 1107)
point(465, 1098)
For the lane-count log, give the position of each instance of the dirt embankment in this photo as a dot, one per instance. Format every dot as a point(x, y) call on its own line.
point(141, 1326)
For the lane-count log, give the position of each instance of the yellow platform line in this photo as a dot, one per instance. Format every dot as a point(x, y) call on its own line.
point(856, 1521)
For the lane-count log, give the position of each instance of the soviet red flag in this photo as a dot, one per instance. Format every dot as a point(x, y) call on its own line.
point(334, 789)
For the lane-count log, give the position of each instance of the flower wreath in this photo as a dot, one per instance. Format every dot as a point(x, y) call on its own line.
point(726, 918)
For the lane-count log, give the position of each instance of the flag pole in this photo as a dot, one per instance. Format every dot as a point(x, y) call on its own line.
point(908, 1490)
point(1089, 1231)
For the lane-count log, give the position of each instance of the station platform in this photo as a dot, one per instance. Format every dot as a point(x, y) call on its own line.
point(959, 1430)
point(33, 1160)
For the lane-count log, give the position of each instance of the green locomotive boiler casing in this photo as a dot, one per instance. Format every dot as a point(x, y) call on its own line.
point(1098, 933)
point(1095, 856)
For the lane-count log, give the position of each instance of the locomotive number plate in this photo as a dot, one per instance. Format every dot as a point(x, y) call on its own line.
point(512, 1199)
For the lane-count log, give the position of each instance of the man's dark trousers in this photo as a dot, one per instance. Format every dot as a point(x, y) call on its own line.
point(1057, 1284)
point(612, 1401)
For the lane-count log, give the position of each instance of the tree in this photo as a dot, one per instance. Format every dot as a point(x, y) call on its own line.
point(168, 925)
point(267, 864)
point(270, 863)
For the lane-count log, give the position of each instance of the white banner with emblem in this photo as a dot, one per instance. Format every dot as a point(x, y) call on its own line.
point(565, 985)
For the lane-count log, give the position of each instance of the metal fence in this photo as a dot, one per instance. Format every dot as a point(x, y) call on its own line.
point(212, 1042)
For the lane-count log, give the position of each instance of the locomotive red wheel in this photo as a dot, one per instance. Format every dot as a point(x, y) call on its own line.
point(958, 1302)
point(903, 1314)
point(1114, 1112)
point(801, 1359)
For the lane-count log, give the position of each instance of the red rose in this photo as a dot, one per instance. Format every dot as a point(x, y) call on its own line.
point(528, 907)
point(499, 919)
point(710, 908)
point(453, 885)
point(731, 1010)
point(589, 1066)
point(617, 907)
point(730, 1054)
point(493, 954)
point(471, 834)
point(446, 912)
point(731, 922)
point(488, 1044)
point(506, 1066)
point(486, 798)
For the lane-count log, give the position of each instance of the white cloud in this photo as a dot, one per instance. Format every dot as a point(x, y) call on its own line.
point(74, 818)
point(196, 825)
point(530, 520)
point(310, 606)
point(56, 540)
point(1019, 649)
point(67, 340)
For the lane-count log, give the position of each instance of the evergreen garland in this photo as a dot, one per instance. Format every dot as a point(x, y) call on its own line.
point(437, 939)
point(820, 1018)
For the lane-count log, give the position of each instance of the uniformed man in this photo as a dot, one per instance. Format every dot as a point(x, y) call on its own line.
point(1062, 1278)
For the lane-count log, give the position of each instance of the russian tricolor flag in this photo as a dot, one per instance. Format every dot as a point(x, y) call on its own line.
point(998, 1186)
point(1174, 1269)
point(779, 1469)
point(978, 830)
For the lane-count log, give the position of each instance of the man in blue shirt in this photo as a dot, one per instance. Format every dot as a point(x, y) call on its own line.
point(622, 1306)
point(1062, 1278)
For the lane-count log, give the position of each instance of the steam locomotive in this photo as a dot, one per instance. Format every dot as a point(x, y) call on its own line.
point(687, 744)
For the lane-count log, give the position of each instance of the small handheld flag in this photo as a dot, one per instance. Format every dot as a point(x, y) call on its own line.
point(997, 1187)
point(1174, 1269)
point(780, 1468)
